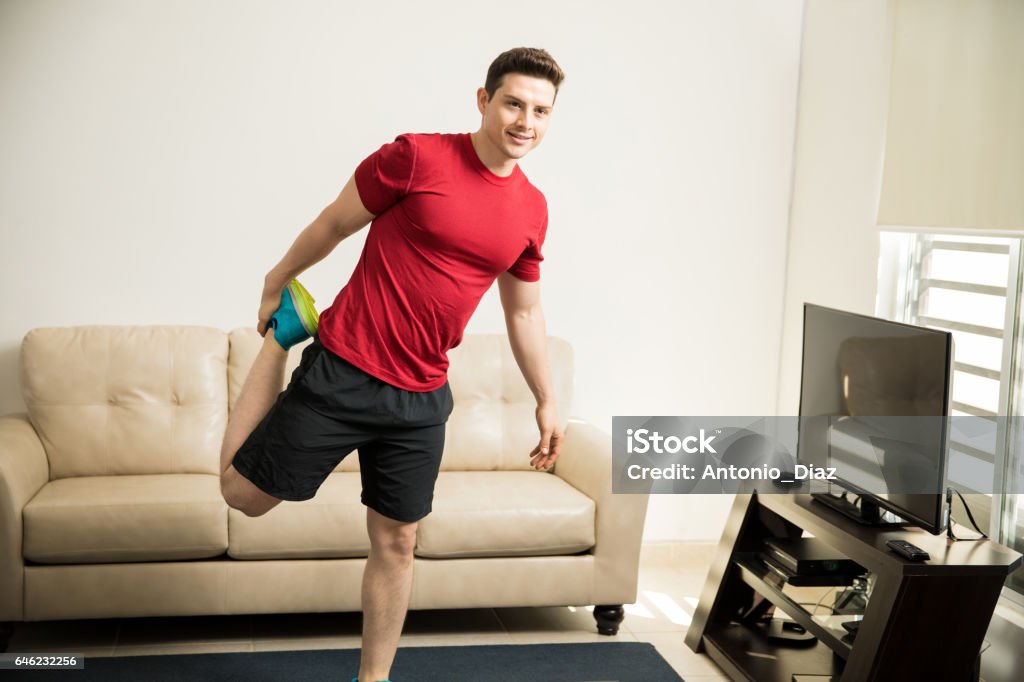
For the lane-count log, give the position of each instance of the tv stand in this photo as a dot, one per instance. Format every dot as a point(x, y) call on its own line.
point(923, 621)
point(864, 511)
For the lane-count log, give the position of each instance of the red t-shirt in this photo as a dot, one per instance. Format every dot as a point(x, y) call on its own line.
point(445, 228)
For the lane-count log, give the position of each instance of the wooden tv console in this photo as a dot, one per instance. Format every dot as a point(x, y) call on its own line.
point(923, 621)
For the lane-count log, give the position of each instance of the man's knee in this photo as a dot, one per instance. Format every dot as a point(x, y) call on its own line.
point(241, 494)
point(400, 541)
point(395, 539)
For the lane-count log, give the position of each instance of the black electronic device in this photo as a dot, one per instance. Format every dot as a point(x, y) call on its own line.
point(810, 557)
point(874, 405)
point(789, 633)
point(851, 626)
point(784, 576)
point(904, 548)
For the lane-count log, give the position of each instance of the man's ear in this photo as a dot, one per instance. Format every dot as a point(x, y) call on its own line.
point(481, 99)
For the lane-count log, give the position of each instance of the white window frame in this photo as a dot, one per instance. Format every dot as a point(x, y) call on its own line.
point(897, 297)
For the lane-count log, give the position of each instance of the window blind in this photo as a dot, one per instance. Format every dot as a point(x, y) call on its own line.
point(954, 150)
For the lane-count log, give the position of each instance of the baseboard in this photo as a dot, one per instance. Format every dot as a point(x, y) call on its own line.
point(1010, 612)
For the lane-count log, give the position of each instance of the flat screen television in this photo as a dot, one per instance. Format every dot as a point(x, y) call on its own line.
point(874, 397)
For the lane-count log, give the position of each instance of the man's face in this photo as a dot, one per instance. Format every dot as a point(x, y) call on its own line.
point(516, 118)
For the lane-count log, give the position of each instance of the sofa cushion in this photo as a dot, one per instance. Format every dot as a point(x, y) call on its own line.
point(127, 400)
point(106, 519)
point(331, 525)
point(505, 513)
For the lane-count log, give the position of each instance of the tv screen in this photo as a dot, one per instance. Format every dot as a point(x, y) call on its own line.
point(874, 395)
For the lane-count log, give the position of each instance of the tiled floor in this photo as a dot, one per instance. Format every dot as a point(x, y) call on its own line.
point(671, 578)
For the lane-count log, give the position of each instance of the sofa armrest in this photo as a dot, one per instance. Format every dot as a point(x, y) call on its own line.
point(24, 469)
point(586, 464)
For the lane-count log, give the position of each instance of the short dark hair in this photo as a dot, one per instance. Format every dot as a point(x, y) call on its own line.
point(529, 61)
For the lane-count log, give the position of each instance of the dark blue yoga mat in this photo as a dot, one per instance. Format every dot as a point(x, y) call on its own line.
point(610, 662)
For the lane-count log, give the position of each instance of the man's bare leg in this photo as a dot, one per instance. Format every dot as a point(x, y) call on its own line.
point(387, 586)
point(258, 394)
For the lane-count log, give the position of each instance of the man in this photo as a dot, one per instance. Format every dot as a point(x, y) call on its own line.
point(450, 215)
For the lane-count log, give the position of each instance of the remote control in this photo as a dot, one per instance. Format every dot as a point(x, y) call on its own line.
point(912, 552)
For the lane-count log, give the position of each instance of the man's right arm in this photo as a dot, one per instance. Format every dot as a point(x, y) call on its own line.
point(345, 216)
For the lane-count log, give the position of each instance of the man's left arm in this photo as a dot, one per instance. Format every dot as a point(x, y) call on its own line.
point(527, 333)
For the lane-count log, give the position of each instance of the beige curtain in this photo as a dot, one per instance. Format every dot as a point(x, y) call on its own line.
point(954, 152)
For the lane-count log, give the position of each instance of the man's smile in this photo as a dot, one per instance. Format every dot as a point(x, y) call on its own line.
point(520, 138)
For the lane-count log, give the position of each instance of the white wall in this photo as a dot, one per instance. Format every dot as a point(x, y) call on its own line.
point(833, 241)
point(158, 158)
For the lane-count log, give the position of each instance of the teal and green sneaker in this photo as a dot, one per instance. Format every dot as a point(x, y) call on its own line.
point(296, 319)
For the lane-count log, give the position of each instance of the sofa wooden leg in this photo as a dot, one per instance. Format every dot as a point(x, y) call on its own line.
point(608, 617)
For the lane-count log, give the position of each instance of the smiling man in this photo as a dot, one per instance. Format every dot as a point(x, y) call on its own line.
point(449, 215)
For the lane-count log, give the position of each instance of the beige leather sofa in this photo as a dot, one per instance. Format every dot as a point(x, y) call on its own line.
point(110, 503)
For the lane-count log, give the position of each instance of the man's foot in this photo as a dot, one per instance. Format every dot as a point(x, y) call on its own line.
point(295, 320)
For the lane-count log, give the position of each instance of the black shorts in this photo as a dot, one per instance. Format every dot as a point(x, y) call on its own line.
point(331, 408)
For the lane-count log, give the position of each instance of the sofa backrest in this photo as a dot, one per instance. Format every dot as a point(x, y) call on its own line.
point(127, 400)
point(493, 425)
point(493, 401)
point(110, 400)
